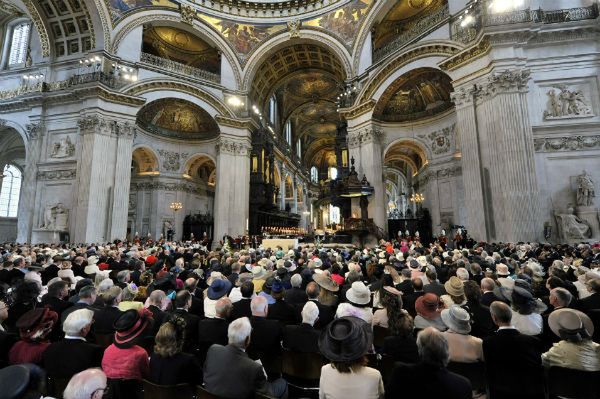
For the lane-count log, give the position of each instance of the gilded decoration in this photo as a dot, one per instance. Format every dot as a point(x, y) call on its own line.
point(39, 26)
point(118, 8)
point(180, 46)
point(417, 94)
point(177, 118)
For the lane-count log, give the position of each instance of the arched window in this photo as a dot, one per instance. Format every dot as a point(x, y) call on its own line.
point(19, 43)
point(299, 148)
point(10, 191)
point(273, 110)
point(333, 173)
point(287, 132)
point(314, 174)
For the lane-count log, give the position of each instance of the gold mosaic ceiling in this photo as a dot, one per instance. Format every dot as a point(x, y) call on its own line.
point(401, 17)
point(177, 118)
point(180, 46)
point(420, 93)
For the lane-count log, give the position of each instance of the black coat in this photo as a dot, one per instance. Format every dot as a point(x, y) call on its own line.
point(7, 340)
point(105, 319)
point(282, 312)
point(266, 337)
point(402, 349)
point(435, 287)
point(241, 308)
point(426, 381)
point(590, 303)
point(409, 300)
point(513, 365)
point(487, 298)
point(326, 315)
point(296, 296)
point(213, 331)
point(182, 368)
point(406, 287)
point(301, 338)
point(56, 304)
point(197, 307)
point(158, 318)
point(68, 357)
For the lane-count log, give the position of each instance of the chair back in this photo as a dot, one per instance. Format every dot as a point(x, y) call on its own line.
point(306, 366)
point(474, 372)
point(379, 334)
point(155, 391)
point(104, 340)
point(202, 393)
point(571, 383)
point(124, 389)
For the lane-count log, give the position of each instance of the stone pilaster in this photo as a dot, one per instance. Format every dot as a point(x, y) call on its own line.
point(467, 136)
point(295, 188)
point(35, 131)
point(125, 133)
point(233, 187)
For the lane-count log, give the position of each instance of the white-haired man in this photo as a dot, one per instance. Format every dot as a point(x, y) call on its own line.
point(303, 337)
point(73, 354)
point(231, 361)
point(88, 384)
point(296, 295)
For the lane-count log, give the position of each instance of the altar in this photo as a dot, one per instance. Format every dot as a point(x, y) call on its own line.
point(285, 243)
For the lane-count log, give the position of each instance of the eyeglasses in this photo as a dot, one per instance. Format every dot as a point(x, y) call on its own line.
point(104, 393)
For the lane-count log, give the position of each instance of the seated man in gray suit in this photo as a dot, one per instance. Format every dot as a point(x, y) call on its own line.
point(230, 373)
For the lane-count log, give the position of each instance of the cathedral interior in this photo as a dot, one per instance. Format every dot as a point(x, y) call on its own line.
point(125, 118)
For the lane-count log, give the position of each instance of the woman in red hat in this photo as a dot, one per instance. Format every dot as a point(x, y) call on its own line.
point(34, 327)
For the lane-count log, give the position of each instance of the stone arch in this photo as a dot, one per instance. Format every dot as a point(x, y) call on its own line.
point(201, 166)
point(153, 89)
point(144, 161)
point(282, 40)
point(102, 23)
point(410, 151)
point(289, 187)
point(423, 54)
point(200, 28)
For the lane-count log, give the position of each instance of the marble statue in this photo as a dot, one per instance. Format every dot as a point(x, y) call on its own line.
point(585, 190)
point(56, 217)
point(567, 104)
point(63, 148)
point(572, 227)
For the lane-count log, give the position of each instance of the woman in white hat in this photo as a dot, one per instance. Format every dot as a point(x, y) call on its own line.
point(463, 348)
point(359, 297)
point(576, 350)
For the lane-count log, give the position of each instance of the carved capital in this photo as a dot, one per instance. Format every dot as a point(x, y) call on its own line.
point(124, 129)
point(101, 125)
point(462, 97)
point(364, 136)
point(233, 147)
point(34, 130)
point(509, 81)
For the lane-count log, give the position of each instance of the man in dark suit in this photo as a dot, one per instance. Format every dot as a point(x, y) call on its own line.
point(434, 285)
point(326, 313)
point(87, 297)
point(409, 299)
point(429, 378)
point(183, 301)
point(155, 306)
point(214, 330)
point(105, 318)
point(73, 354)
point(56, 298)
point(242, 307)
point(406, 285)
point(281, 310)
point(230, 373)
point(296, 296)
point(197, 307)
point(487, 289)
point(266, 335)
point(303, 337)
point(513, 360)
point(592, 302)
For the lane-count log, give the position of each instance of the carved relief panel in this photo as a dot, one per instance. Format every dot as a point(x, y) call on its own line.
point(566, 101)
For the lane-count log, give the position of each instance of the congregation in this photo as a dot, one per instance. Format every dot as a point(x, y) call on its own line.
point(397, 320)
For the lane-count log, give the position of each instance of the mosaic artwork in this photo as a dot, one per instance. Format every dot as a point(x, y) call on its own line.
point(345, 21)
point(119, 7)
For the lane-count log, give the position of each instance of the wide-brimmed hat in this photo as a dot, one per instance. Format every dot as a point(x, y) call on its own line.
point(414, 264)
point(36, 323)
point(457, 319)
point(422, 261)
point(570, 324)
point(92, 260)
point(258, 272)
point(15, 380)
point(428, 305)
point(218, 289)
point(326, 282)
point(130, 325)
point(91, 269)
point(67, 274)
point(346, 339)
point(454, 286)
point(358, 293)
point(502, 270)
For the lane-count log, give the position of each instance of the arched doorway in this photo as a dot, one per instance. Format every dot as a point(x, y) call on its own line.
point(200, 170)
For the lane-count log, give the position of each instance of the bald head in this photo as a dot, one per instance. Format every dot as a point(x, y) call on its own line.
point(312, 290)
point(487, 284)
point(223, 307)
point(190, 284)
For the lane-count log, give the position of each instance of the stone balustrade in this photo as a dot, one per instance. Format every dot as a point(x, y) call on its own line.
point(179, 68)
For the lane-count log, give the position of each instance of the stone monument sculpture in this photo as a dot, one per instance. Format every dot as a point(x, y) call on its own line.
point(585, 190)
point(571, 227)
point(56, 217)
point(63, 148)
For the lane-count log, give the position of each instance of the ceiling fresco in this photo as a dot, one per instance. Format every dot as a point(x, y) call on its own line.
point(177, 118)
point(417, 94)
point(180, 46)
point(401, 18)
point(343, 22)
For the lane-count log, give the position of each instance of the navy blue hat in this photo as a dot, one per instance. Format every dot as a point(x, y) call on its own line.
point(277, 287)
point(218, 289)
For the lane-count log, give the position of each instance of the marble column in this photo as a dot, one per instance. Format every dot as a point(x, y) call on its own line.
point(120, 204)
point(232, 187)
point(295, 186)
point(468, 142)
point(25, 213)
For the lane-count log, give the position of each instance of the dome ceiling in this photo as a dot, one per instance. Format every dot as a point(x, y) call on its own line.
point(417, 94)
point(402, 17)
point(180, 46)
point(177, 118)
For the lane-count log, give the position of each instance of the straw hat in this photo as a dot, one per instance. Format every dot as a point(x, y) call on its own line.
point(454, 286)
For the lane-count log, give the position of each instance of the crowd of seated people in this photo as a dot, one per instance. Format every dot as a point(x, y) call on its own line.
point(88, 316)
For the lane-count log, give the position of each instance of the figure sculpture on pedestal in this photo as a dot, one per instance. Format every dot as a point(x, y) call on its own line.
point(572, 227)
point(55, 217)
point(585, 190)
